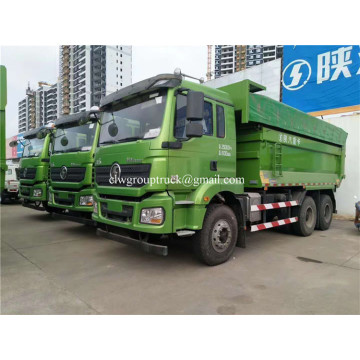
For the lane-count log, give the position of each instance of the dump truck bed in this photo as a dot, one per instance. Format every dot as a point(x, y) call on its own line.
point(278, 145)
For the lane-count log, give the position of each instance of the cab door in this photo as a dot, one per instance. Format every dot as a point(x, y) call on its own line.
point(198, 157)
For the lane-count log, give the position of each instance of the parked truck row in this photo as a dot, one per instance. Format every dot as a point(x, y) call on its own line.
point(94, 167)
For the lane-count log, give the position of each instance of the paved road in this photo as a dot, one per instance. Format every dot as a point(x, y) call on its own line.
point(58, 267)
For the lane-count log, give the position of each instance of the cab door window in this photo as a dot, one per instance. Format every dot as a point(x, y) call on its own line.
point(220, 121)
point(181, 121)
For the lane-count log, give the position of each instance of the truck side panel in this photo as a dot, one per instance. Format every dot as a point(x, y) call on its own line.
point(268, 157)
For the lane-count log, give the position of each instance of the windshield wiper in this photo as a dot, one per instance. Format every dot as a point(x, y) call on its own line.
point(108, 142)
point(30, 156)
point(66, 150)
point(132, 138)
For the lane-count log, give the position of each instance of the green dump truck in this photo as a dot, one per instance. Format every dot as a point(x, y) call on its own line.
point(182, 159)
point(71, 166)
point(3, 101)
point(34, 168)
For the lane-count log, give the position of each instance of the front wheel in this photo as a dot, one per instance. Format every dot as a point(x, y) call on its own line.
point(215, 242)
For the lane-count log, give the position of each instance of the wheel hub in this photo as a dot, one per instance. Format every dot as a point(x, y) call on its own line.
point(221, 236)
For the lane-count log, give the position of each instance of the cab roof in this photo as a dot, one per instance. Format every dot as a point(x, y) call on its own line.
point(33, 132)
point(66, 120)
point(158, 81)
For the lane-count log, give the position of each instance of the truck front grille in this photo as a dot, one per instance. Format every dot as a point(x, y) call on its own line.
point(27, 173)
point(73, 174)
point(130, 176)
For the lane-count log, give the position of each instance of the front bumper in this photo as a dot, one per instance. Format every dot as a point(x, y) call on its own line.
point(126, 213)
point(70, 200)
point(86, 220)
point(141, 244)
point(26, 192)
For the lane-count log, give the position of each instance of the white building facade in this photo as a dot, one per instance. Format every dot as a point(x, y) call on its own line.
point(90, 72)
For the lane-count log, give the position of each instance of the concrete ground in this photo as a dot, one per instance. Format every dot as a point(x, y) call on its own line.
point(57, 267)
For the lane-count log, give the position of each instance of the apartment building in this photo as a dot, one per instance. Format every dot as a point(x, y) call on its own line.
point(39, 107)
point(233, 58)
point(90, 72)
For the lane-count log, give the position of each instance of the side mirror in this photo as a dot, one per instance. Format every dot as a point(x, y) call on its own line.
point(195, 105)
point(83, 120)
point(13, 143)
point(42, 133)
point(194, 130)
point(64, 141)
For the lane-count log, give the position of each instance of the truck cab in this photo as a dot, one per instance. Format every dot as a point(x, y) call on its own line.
point(11, 191)
point(71, 166)
point(34, 167)
point(158, 139)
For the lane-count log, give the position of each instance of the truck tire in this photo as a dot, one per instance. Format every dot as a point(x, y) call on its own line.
point(215, 243)
point(306, 214)
point(325, 212)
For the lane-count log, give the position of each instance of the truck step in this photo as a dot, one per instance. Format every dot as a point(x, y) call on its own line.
point(272, 224)
point(183, 233)
point(276, 205)
point(184, 202)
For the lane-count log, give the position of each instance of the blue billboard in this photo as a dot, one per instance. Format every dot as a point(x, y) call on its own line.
point(321, 77)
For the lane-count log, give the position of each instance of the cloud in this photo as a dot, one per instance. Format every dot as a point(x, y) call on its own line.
point(26, 64)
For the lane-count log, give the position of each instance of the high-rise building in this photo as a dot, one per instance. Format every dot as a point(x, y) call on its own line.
point(232, 58)
point(26, 112)
point(39, 107)
point(89, 72)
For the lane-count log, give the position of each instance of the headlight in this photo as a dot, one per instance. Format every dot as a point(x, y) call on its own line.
point(87, 200)
point(154, 216)
point(37, 192)
point(95, 207)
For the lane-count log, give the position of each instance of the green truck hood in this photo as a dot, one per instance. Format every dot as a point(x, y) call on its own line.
point(80, 159)
point(73, 159)
point(131, 153)
point(35, 162)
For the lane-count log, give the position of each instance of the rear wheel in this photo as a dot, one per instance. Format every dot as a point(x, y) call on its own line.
point(306, 214)
point(325, 212)
point(215, 243)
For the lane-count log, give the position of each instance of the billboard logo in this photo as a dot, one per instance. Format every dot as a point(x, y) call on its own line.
point(296, 75)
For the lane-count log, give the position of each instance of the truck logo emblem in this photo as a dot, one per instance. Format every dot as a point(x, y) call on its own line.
point(115, 172)
point(296, 75)
point(63, 172)
point(25, 172)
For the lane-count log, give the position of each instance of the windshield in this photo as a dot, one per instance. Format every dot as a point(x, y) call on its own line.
point(33, 147)
point(76, 138)
point(138, 118)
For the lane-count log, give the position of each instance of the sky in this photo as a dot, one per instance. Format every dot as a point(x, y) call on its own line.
point(31, 64)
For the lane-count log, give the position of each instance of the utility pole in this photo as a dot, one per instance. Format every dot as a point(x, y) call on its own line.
point(3, 102)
